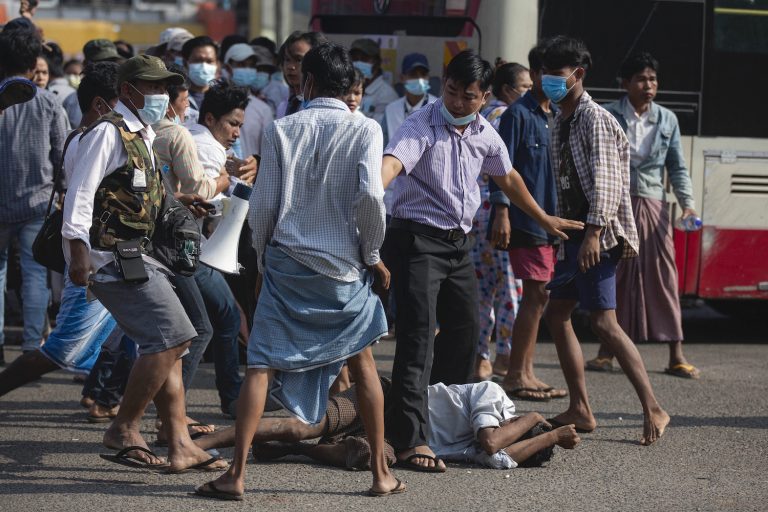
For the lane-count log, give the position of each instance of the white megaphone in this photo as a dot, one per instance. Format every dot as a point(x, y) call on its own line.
point(220, 251)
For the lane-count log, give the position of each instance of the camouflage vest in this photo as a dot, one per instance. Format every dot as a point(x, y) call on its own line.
point(119, 211)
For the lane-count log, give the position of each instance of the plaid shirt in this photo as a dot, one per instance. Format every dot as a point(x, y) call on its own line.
point(601, 153)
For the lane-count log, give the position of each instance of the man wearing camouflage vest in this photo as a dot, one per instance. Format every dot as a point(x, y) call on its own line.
point(113, 201)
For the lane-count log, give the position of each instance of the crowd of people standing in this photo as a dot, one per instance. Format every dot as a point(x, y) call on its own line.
point(445, 222)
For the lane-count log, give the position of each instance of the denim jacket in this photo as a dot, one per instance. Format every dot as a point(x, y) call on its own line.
point(647, 179)
point(524, 129)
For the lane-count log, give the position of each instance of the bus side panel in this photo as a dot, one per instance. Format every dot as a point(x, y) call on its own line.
point(733, 264)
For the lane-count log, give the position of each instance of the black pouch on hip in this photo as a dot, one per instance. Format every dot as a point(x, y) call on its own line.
point(128, 256)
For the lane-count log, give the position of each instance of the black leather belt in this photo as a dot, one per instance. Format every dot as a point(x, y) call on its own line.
point(450, 235)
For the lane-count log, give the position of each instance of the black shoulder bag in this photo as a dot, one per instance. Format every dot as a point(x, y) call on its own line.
point(46, 248)
point(176, 239)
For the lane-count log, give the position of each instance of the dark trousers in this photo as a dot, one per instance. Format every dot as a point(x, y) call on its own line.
point(109, 375)
point(225, 319)
point(192, 300)
point(435, 284)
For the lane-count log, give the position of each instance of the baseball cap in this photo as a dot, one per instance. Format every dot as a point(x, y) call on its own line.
point(414, 60)
point(16, 90)
point(367, 46)
point(176, 42)
point(97, 50)
point(146, 67)
point(171, 32)
point(263, 56)
point(239, 52)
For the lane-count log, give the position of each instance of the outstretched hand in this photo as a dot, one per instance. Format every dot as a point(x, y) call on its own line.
point(556, 226)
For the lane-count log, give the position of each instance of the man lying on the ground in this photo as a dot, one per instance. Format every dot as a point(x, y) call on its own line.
point(468, 423)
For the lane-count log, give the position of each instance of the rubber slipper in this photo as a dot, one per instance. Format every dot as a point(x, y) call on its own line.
point(517, 393)
point(558, 424)
point(409, 464)
point(684, 371)
point(599, 364)
point(124, 459)
point(209, 490)
point(161, 443)
point(399, 489)
point(201, 467)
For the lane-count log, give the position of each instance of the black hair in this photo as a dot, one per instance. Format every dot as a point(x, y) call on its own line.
point(468, 67)
point(70, 62)
point(197, 42)
point(265, 42)
point(222, 98)
point(175, 90)
point(540, 457)
point(536, 57)
point(359, 79)
point(311, 38)
point(126, 52)
point(228, 42)
point(19, 50)
point(636, 64)
point(508, 74)
point(331, 68)
point(32, 3)
point(55, 57)
point(563, 52)
point(99, 79)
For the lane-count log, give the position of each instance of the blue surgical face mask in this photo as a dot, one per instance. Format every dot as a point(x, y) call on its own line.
point(261, 80)
point(202, 73)
point(155, 107)
point(244, 77)
point(179, 61)
point(555, 87)
point(417, 86)
point(366, 68)
point(456, 121)
point(277, 76)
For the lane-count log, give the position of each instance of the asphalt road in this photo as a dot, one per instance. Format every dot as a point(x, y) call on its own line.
point(713, 457)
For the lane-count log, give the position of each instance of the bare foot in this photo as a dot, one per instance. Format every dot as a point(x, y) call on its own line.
point(98, 413)
point(387, 484)
point(566, 437)
point(580, 420)
point(228, 484)
point(500, 365)
point(483, 369)
point(182, 456)
point(421, 461)
point(118, 438)
point(553, 392)
point(523, 388)
point(196, 429)
point(86, 402)
point(654, 424)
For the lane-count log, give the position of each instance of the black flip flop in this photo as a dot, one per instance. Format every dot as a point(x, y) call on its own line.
point(216, 493)
point(514, 394)
point(124, 459)
point(399, 489)
point(558, 424)
point(200, 467)
point(409, 464)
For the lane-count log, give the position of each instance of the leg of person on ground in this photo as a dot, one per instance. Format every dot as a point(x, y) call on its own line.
point(607, 328)
point(26, 368)
point(370, 399)
point(287, 430)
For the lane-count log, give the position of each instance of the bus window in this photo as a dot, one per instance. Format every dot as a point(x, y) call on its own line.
point(737, 59)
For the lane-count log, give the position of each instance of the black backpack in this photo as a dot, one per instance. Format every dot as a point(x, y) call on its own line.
point(176, 239)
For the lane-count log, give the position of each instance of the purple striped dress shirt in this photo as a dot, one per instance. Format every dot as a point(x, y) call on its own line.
point(438, 186)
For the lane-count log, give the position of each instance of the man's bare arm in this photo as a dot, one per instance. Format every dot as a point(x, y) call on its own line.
point(513, 186)
point(390, 168)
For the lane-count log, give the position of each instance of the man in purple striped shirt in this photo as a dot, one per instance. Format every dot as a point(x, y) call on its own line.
point(439, 152)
